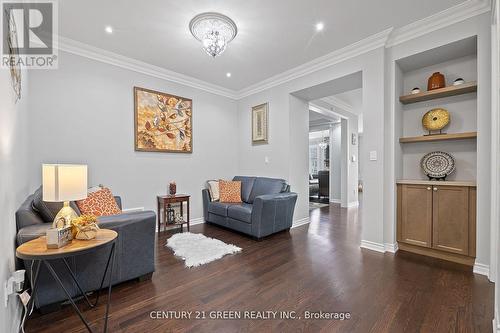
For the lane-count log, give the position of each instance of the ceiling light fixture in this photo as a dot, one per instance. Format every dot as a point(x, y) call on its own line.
point(214, 31)
point(108, 29)
point(228, 74)
point(320, 26)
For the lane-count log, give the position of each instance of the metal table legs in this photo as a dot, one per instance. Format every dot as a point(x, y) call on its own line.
point(109, 265)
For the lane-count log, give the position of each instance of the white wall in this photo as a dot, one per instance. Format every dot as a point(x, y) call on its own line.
point(84, 113)
point(13, 185)
point(282, 153)
point(335, 163)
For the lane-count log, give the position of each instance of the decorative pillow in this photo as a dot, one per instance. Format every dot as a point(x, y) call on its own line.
point(229, 191)
point(99, 203)
point(213, 189)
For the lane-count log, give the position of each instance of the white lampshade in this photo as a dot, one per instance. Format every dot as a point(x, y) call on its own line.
point(64, 182)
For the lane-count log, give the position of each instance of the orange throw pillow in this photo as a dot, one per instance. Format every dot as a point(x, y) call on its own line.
point(99, 203)
point(229, 191)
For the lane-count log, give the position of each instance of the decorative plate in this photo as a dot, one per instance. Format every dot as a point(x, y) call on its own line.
point(436, 119)
point(438, 164)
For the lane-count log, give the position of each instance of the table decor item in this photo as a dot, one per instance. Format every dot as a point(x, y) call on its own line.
point(436, 81)
point(64, 183)
point(58, 237)
point(458, 81)
point(437, 165)
point(85, 227)
point(172, 188)
point(435, 120)
point(415, 90)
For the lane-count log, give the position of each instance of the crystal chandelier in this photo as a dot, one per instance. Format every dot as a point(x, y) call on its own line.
point(214, 31)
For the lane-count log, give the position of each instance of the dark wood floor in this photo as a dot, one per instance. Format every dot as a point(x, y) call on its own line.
point(316, 267)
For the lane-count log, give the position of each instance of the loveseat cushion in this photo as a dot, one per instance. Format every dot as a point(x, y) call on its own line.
point(246, 186)
point(264, 186)
point(218, 208)
point(241, 212)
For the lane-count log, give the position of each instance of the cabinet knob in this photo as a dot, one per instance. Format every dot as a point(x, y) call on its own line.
point(435, 189)
point(428, 189)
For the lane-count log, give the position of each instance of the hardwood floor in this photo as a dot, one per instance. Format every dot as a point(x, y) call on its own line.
point(316, 267)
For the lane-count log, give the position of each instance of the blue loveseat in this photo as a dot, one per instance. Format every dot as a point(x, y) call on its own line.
point(267, 207)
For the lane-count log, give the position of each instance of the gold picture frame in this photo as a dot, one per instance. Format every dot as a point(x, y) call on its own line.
point(162, 122)
point(260, 123)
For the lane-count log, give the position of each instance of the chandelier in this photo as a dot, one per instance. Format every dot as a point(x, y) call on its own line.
point(214, 31)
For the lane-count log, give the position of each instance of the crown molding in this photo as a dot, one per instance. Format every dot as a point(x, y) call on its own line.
point(388, 38)
point(338, 103)
point(324, 111)
point(365, 45)
point(111, 58)
point(447, 17)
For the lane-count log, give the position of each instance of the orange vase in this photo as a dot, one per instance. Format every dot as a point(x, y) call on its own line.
point(436, 81)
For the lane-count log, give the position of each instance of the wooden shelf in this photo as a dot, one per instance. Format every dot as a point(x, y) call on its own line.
point(464, 88)
point(470, 183)
point(439, 137)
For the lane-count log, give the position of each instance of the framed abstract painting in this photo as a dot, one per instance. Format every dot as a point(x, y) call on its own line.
point(260, 123)
point(163, 122)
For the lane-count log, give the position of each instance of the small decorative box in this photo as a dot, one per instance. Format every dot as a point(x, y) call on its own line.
point(58, 237)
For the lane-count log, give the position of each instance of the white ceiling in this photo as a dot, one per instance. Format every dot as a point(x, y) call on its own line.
point(273, 36)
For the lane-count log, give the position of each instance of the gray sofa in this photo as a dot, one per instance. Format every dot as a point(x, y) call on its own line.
point(267, 207)
point(134, 250)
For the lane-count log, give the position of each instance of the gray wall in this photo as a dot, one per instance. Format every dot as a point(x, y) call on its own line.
point(13, 185)
point(84, 113)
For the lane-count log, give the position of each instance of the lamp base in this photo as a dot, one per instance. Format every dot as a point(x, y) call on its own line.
point(64, 217)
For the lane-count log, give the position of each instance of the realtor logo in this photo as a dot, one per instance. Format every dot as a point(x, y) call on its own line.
point(29, 30)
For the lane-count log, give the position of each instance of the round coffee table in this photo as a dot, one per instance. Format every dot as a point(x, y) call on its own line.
point(37, 251)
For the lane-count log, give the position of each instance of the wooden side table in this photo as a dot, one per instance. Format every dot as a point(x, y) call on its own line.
point(167, 201)
point(37, 251)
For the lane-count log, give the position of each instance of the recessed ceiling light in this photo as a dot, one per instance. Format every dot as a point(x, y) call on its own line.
point(228, 74)
point(320, 26)
point(108, 29)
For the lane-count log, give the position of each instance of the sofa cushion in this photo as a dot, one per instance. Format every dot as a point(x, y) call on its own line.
point(218, 208)
point(264, 186)
point(241, 212)
point(48, 210)
point(246, 186)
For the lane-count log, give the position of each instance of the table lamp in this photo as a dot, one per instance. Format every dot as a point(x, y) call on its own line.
point(64, 183)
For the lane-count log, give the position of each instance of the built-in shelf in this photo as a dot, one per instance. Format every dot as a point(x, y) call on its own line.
point(439, 137)
point(436, 182)
point(464, 88)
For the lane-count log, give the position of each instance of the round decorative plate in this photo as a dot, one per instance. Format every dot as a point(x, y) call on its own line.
point(436, 119)
point(438, 164)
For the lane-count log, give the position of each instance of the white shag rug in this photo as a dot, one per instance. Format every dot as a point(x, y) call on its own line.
point(197, 249)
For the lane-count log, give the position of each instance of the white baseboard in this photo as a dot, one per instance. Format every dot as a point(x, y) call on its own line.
point(199, 220)
point(372, 246)
point(337, 201)
point(130, 210)
point(298, 223)
point(496, 328)
point(392, 248)
point(481, 269)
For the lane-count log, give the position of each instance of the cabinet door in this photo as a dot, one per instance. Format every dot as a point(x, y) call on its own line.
point(416, 215)
point(451, 219)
